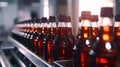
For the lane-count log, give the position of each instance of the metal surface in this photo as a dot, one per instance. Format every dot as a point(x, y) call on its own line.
point(21, 64)
point(64, 63)
point(31, 56)
point(4, 61)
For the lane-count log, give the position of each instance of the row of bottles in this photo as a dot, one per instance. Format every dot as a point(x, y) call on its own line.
point(50, 39)
point(96, 45)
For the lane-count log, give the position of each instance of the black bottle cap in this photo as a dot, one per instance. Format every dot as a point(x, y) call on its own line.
point(69, 19)
point(30, 21)
point(52, 18)
point(34, 20)
point(37, 20)
point(65, 18)
point(60, 18)
point(86, 15)
point(94, 18)
point(43, 19)
point(106, 12)
point(117, 17)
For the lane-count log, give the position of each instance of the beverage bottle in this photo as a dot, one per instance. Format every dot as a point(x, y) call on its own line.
point(42, 27)
point(95, 28)
point(27, 30)
point(31, 35)
point(34, 36)
point(48, 40)
point(85, 36)
point(16, 27)
point(117, 29)
point(69, 30)
point(79, 29)
point(21, 30)
point(104, 50)
point(117, 35)
point(62, 47)
point(82, 46)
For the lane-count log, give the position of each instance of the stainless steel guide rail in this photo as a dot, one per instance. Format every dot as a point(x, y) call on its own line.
point(3, 60)
point(38, 62)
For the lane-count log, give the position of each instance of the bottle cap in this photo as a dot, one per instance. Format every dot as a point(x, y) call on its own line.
point(65, 18)
point(69, 19)
point(52, 19)
point(85, 15)
point(117, 17)
point(106, 12)
point(94, 18)
point(37, 20)
point(43, 19)
point(34, 20)
point(60, 18)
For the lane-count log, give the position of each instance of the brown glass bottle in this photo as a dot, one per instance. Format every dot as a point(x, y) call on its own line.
point(69, 30)
point(35, 34)
point(117, 29)
point(104, 51)
point(31, 35)
point(45, 26)
point(79, 29)
point(62, 47)
point(95, 28)
point(48, 40)
point(27, 28)
point(40, 37)
point(85, 36)
point(83, 44)
point(27, 33)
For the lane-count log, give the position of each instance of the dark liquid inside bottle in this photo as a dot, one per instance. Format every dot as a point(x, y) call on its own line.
point(38, 42)
point(62, 46)
point(48, 45)
point(106, 50)
point(94, 33)
point(70, 35)
point(117, 35)
point(86, 46)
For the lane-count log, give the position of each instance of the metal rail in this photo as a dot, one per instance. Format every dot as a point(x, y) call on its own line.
point(31, 56)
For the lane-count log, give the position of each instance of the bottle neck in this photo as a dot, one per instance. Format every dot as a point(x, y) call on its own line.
point(62, 28)
point(117, 29)
point(32, 27)
point(52, 28)
point(106, 29)
point(117, 24)
point(36, 27)
point(44, 27)
point(94, 24)
point(106, 21)
point(85, 29)
point(69, 28)
point(94, 29)
point(85, 22)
